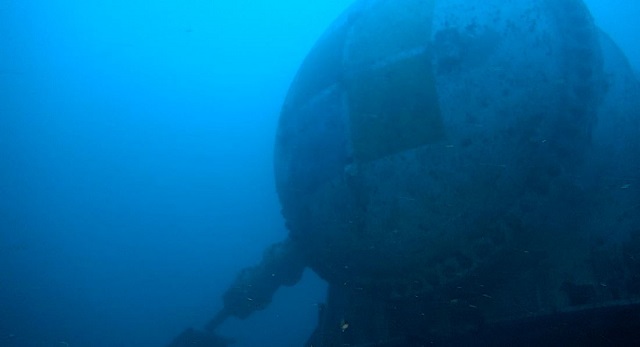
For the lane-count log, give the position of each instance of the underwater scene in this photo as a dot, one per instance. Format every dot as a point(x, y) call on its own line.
point(340, 173)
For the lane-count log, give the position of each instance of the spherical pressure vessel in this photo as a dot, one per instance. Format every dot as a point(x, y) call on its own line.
point(483, 153)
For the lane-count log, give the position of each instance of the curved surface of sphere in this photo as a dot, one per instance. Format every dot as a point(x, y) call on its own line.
point(428, 144)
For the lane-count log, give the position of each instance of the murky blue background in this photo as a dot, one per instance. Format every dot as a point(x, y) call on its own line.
point(136, 163)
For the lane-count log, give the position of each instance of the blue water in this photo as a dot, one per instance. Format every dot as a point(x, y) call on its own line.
point(136, 163)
